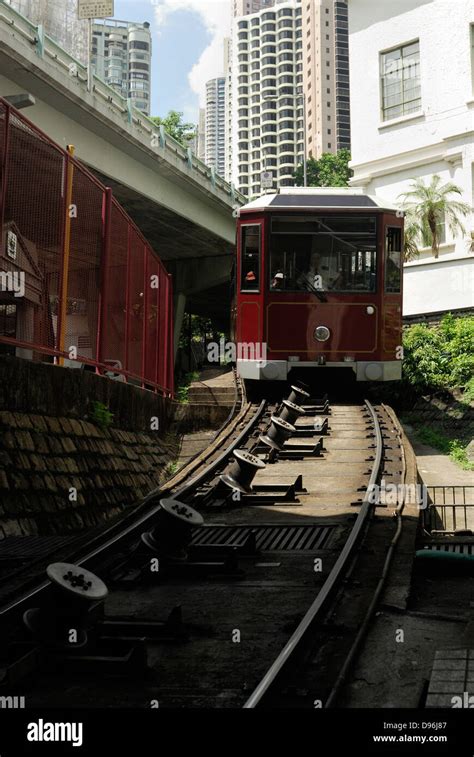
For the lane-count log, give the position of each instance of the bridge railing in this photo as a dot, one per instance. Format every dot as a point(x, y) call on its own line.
point(79, 284)
point(47, 48)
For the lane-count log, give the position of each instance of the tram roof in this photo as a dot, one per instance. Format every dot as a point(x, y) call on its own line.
point(311, 198)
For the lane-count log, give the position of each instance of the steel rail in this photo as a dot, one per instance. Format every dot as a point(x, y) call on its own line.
point(331, 582)
point(123, 532)
point(364, 627)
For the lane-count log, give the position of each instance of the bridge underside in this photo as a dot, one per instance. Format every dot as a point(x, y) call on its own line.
point(199, 261)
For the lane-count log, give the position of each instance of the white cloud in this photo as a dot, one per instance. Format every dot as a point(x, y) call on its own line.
point(216, 16)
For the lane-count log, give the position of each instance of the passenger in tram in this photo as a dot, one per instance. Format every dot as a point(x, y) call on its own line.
point(278, 281)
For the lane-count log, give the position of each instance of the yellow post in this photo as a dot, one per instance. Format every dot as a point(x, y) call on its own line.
point(67, 246)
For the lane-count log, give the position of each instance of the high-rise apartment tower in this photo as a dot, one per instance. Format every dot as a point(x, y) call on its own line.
point(121, 56)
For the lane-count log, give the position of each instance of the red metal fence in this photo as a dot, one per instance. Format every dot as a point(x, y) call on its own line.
point(79, 285)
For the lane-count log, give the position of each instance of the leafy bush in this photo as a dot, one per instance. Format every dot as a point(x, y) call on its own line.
point(101, 415)
point(182, 392)
point(440, 357)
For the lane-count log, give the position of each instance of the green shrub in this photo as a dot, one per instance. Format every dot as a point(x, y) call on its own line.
point(468, 395)
point(439, 357)
point(101, 415)
point(182, 392)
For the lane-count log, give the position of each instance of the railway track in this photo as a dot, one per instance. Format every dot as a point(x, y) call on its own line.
point(249, 609)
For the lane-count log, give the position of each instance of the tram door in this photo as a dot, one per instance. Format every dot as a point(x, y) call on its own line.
point(392, 287)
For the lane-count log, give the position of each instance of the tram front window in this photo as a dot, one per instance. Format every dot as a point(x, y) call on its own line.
point(327, 254)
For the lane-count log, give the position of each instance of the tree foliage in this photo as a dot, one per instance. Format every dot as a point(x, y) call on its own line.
point(427, 207)
point(329, 171)
point(439, 357)
point(174, 125)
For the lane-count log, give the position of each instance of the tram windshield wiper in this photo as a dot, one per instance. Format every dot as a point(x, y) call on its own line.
point(311, 288)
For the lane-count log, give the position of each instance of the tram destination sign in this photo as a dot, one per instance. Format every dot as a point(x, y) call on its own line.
point(95, 8)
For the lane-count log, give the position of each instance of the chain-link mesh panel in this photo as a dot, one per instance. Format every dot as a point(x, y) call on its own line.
point(34, 225)
point(136, 331)
point(164, 352)
point(168, 380)
point(136, 310)
point(153, 283)
point(113, 330)
point(3, 122)
point(88, 202)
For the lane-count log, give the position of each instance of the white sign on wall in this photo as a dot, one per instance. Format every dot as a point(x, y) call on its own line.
point(95, 8)
point(266, 179)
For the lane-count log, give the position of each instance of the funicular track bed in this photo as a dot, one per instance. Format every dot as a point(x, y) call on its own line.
point(247, 578)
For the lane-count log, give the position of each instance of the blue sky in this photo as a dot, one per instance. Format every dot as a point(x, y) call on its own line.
point(187, 48)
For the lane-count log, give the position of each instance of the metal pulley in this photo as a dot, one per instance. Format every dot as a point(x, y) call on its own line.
point(290, 412)
point(73, 605)
point(298, 395)
point(278, 433)
point(242, 471)
point(172, 532)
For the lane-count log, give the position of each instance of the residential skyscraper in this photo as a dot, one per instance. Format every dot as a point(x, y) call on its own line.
point(60, 21)
point(244, 7)
point(228, 108)
point(121, 56)
point(326, 76)
point(267, 96)
point(201, 135)
point(216, 125)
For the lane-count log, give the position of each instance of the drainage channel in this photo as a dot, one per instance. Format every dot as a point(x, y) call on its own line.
point(267, 538)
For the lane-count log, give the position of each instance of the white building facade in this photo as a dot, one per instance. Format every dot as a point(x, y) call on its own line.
point(412, 115)
point(267, 107)
point(121, 56)
point(60, 21)
point(215, 147)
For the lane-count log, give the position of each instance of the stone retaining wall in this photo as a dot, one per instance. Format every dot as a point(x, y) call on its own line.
point(60, 470)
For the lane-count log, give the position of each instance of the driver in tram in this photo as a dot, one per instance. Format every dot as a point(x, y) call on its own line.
point(314, 276)
point(317, 277)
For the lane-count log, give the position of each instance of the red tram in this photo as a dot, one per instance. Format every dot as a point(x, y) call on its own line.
point(318, 285)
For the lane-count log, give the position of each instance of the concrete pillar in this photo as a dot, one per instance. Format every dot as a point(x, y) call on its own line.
point(179, 310)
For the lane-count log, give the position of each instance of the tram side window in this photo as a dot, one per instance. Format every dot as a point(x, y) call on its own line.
point(393, 259)
point(250, 259)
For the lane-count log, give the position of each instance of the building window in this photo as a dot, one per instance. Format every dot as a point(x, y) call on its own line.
point(139, 46)
point(400, 81)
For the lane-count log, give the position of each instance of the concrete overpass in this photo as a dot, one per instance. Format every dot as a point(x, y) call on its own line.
point(181, 206)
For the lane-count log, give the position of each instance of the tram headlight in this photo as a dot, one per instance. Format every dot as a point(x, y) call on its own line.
point(322, 333)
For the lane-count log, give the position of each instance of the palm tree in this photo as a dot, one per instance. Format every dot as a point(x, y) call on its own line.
point(429, 205)
point(410, 237)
